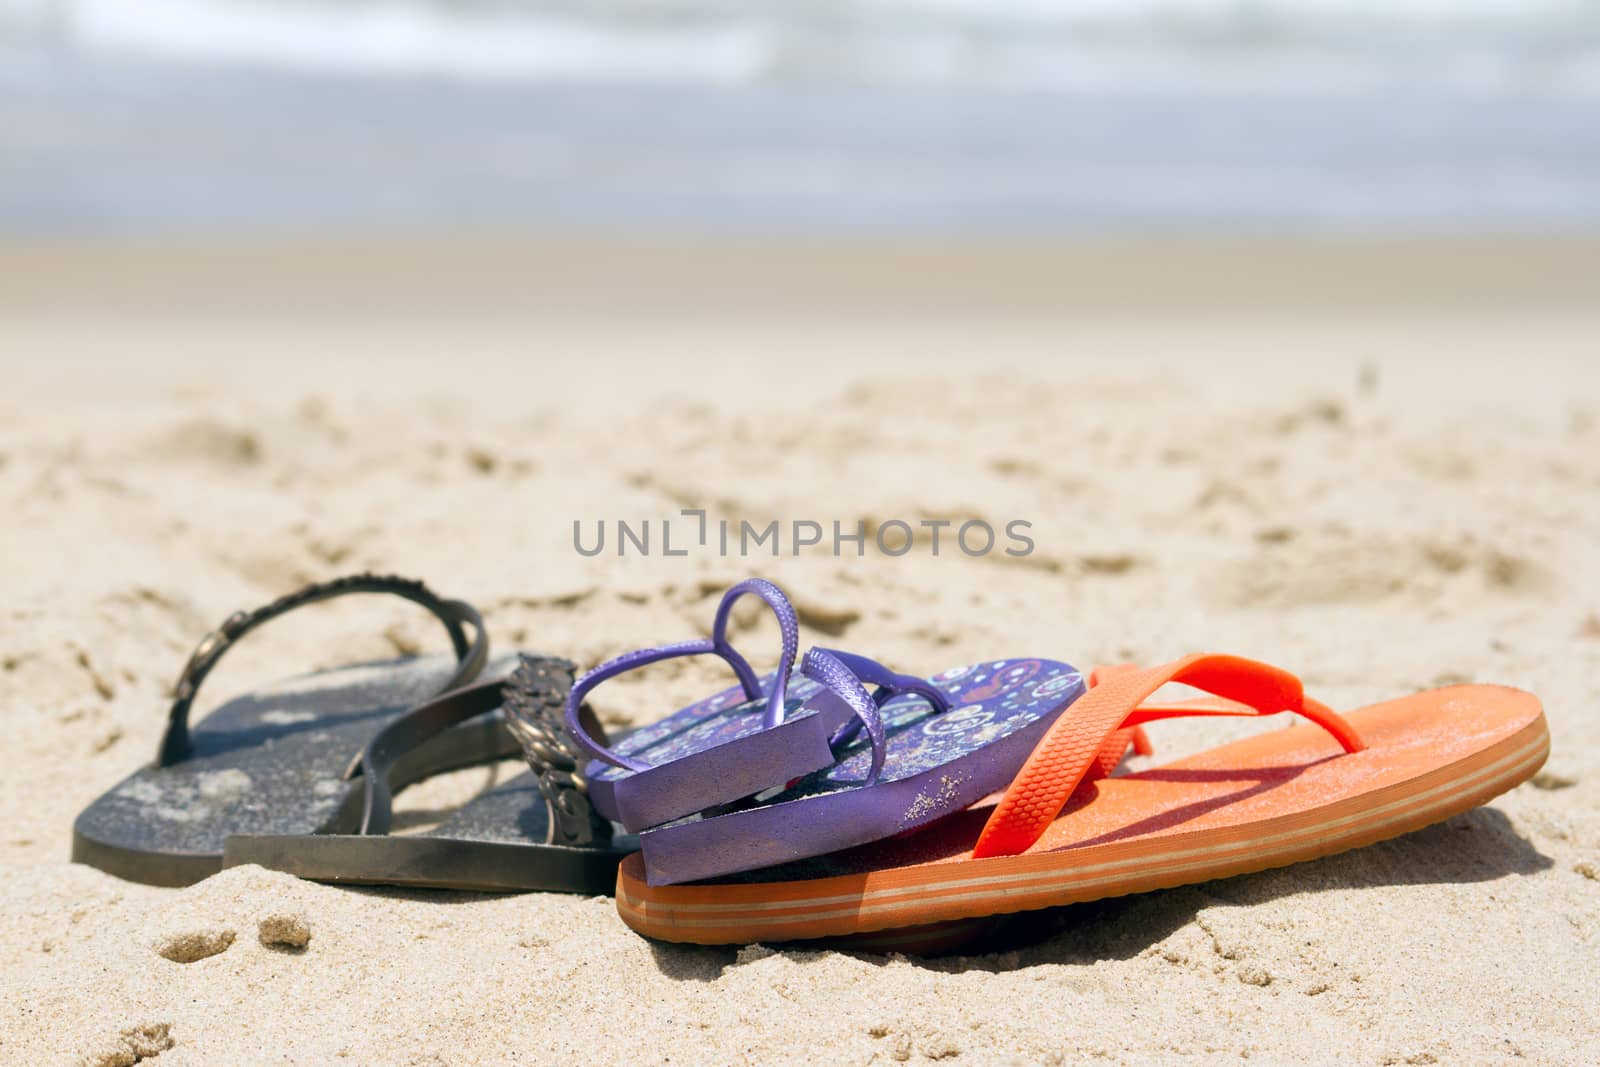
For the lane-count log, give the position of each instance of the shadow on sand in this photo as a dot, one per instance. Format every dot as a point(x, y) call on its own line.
point(1477, 846)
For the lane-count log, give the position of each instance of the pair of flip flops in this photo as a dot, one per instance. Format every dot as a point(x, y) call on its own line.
point(799, 804)
point(782, 768)
point(299, 775)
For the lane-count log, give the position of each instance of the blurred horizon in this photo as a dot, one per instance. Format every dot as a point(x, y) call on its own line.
point(900, 115)
point(1477, 46)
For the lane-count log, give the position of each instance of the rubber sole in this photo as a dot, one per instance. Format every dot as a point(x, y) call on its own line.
point(493, 843)
point(464, 746)
point(427, 862)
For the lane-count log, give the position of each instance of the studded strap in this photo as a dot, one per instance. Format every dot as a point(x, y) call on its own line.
point(471, 654)
point(535, 702)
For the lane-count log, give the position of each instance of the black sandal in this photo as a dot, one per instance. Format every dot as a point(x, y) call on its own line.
point(534, 832)
point(281, 760)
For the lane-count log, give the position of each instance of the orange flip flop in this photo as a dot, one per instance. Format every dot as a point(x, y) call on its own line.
point(1064, 833)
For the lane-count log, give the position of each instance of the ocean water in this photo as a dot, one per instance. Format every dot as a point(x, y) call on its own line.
point(903, 114)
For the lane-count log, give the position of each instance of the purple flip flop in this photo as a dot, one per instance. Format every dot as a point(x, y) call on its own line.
point(915, 765)
point(763, 733)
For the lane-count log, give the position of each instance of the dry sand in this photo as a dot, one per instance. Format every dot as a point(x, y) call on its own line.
point(1378, 464)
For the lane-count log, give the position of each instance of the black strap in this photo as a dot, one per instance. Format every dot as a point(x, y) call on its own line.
point(471, 654)
point(533, 694)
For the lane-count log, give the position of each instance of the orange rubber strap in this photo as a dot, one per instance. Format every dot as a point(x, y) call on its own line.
point(1116, 746)
point(1075, 745)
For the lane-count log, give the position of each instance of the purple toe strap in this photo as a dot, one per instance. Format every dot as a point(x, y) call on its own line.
point(889, 685)
point(826, 667)
point(788, 628)
point(718, 644)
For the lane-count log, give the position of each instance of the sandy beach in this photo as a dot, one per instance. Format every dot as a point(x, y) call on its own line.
point(1376, 463)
